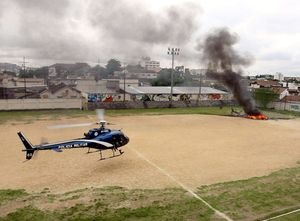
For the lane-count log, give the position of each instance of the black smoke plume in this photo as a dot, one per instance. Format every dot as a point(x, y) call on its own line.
point(224, 65)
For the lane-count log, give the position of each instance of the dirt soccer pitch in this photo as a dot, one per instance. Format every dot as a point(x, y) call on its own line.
point(193, 149)
point(165, 151)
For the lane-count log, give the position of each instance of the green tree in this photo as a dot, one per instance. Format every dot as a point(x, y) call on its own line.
point(264, 96)
point(112, 66)
point(164, 78)
point(26, 73)
point(41, 72)
point(99, 72)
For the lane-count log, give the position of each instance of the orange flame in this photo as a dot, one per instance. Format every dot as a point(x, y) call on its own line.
point(257, 117)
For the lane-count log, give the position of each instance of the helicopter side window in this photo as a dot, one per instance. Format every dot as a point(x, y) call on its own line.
point(89, 135)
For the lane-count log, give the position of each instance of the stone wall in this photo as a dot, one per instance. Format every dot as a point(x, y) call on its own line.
point(40, 104)
point(289, 106)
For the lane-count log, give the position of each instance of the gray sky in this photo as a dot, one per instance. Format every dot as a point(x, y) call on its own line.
point(50, 31)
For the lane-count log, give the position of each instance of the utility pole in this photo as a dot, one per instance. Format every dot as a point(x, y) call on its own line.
point(200, 88)
point(172, 52)
point(124, 82)
point(24, 72)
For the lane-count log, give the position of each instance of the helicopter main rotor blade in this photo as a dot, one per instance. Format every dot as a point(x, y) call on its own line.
point(69, 125)
point(100, 114)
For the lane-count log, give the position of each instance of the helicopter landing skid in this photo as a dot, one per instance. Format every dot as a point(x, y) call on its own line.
point(92, 151)
point(114, 154)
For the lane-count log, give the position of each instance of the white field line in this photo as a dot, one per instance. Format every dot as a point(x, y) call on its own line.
point(285, 214)
point(224, 216)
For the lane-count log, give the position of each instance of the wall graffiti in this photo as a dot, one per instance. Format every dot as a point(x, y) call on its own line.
point(104, 97)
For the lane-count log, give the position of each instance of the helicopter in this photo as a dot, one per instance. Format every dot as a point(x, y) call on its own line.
point(100, 139)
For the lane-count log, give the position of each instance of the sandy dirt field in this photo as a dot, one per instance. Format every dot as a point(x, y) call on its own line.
point(194, 149)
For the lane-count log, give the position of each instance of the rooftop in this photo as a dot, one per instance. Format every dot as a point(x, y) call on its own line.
point(176, 90)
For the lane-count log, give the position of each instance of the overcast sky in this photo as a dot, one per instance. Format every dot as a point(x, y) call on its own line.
point(51, 31)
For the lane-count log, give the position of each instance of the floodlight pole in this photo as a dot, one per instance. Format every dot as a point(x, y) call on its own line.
point(172, 52)
point(200, 86)
point(124, 82)
point(24, 72)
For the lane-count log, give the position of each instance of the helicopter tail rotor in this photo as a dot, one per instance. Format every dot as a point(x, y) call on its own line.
point(29, 148)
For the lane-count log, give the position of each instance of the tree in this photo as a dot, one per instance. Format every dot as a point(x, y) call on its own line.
point(164, 78)
point(99, 72)
point(112, 66)
point(41, 72)
point(264, 96)
point(26, 73)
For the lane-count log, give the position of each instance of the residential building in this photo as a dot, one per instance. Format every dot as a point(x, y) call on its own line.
point(264, 84)
point(278, 76)
point(149, 64)
point(281, 91)
point(9, 68)
point(60, 91)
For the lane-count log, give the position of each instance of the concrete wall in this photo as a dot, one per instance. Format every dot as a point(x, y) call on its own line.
point(157, 104)
point(289, 106)
point(39, 104)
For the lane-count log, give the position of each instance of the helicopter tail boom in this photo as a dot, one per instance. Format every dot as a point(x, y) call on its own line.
point(29, 147)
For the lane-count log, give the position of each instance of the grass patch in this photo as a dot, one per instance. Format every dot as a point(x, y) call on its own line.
point(253, 199)
point(256, 197)
point(29, 213)
point(9, 194)
point(117, 203)
point(30, 116)
point(226, 111)
point(291, 217)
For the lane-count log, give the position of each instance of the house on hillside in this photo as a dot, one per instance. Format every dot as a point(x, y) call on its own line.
point(281, 91)
point(60, 91)
point(264, 84)
point(28, 81)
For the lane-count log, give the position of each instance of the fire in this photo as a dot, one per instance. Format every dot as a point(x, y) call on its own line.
point(257, 117)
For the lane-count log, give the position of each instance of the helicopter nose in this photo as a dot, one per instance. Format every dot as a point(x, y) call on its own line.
point(126, 138)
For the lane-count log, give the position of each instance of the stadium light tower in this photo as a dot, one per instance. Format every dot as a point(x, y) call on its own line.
point(172, 52)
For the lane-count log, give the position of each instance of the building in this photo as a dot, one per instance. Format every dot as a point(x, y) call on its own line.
point(289, 103)
point(278, 76)
point(149, 64)
point(152, 66)
point(264, 84)
point(52, 72)
point(60, 91)
point(198, 72)
point(179, 93)
point(14, 88)
point(28, 81)
point(281, 91)
point(8, 67)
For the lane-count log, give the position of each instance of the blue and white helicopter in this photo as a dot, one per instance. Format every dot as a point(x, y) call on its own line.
point(98, 138)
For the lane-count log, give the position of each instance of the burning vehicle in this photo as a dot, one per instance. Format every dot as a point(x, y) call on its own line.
point(225, 65)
